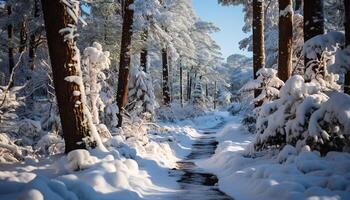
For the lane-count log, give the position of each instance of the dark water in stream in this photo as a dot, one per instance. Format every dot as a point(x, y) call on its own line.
point(196, 184)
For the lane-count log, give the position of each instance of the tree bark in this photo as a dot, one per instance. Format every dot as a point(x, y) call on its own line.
point(347, 42)
point(23, 35)
point(166, 89)
point(124, 64)
point(64, 57)
point(285, 39)
point(298, 4)
point(181, 87)
point(188, 86)
point(10, 38)
point(258, 38)
point(144, 53)
point(313, 24)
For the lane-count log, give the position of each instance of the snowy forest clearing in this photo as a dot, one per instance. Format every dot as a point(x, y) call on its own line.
point(124, 99)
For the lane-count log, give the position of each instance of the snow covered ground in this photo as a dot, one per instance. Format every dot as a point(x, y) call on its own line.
point(137, 167)
point(287, 175)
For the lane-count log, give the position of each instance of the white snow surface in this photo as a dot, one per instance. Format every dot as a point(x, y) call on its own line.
point(287, 175)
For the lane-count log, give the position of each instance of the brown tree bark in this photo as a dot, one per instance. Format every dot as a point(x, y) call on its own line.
point(65, 64)
point(124, 64)
point(347, 42)
point(10, 38)
point(313, 23)
point(165, 85)
point(285, 39)
point(258, 38)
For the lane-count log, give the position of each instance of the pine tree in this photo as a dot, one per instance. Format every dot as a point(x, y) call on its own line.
point(258, 38)
point(64, 55)
point(10, 31)
point(124, 64)
point(285, 39)
point(347, 41)
point(313, 25)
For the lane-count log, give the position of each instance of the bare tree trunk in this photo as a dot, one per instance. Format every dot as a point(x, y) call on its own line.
point(298, 4)
point(181, 87)
point(23, 35)
point(32, 38)
point(206, 90)
point(124, 67)
point(215, 95)
point(64, 57)
point(285, 39)
point(258, 38)
point(10, 38)
point(347, 41)
point(166, 89)
point(188, 86)
point(144, 53)
point(313, 24)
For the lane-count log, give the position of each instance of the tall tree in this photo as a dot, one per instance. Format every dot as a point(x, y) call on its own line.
point(65, 62)
point(181, 85)
point(124, 64)
point(347, 41)
point(23, 35)
point(258, 38)
point(285, 39)
point(144, 53)
point(10, 38)
point(165, 85)
point(313, 23)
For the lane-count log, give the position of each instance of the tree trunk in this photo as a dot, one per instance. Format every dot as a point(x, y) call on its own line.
point(206, 90)
point(188, 86)
point(258, 38)
point(347, 41)
point(298, 4)
point(166, 89)
point(32, 38)
point(215, 95)
point(144, 53)
point(285, 39)
point(64, 57)
point(313, 24)
point(23, 35)
point(124, 66)
point(181, 87)
point(10, 44)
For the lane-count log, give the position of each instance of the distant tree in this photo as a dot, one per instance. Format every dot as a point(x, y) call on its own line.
point(60, 26)
point(258, 38)
point(124, 64)
point(285, 39)
point(313, 25)
point(10, 33)
point(347, 41)
point(165, 85)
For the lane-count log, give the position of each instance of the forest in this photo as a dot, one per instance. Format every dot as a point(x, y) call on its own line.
point(133, 99)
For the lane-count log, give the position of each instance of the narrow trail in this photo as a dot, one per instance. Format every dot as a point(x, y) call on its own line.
point(194, 182)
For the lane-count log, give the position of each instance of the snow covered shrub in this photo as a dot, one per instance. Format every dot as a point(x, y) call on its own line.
point(94, 62)
point(329, 126)
point(9, 151)
point(321, 50)
point(286, 120)
point(267, 83)
point(50, 144)
point(175, 112)
point(29, 131)
point(141, 96)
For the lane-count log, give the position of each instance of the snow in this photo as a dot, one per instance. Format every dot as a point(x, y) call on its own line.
point(290, 174)
point(287, 10)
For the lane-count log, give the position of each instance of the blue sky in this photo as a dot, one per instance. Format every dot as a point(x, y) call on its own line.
point(228, 19)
